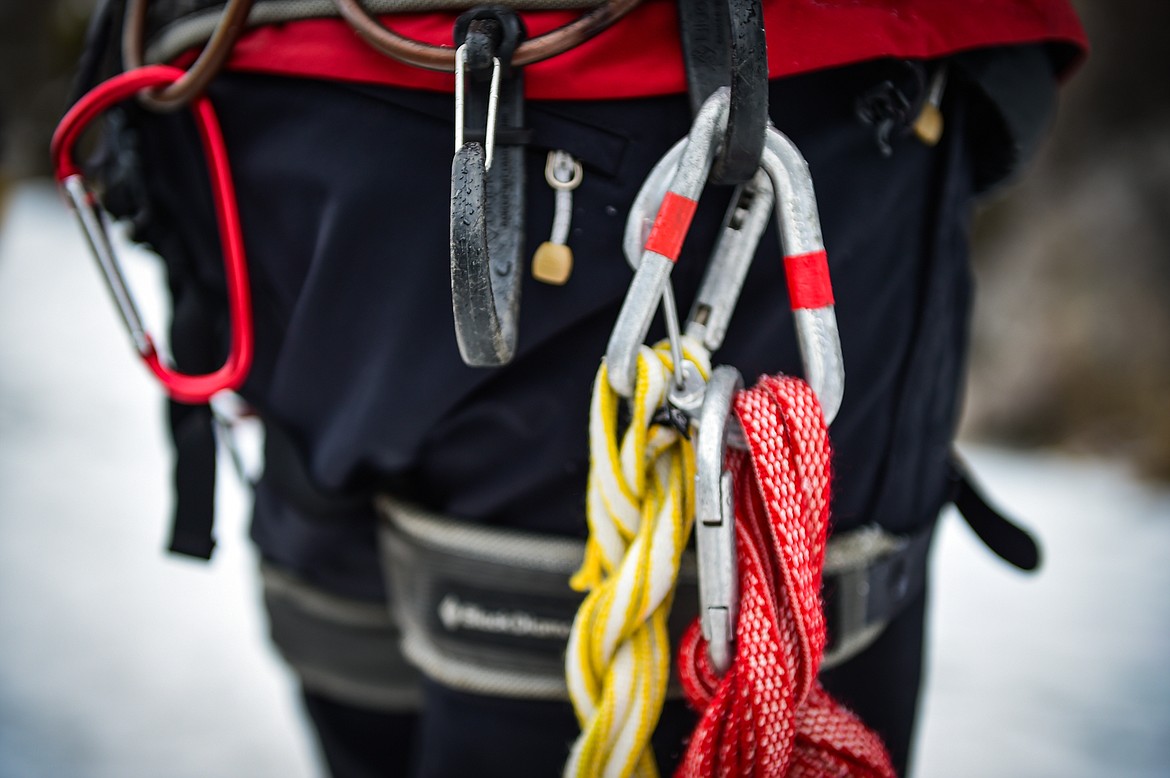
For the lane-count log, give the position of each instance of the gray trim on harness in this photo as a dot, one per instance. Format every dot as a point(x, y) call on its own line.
point(195, 27)
point(487, 610)
point(344, 649)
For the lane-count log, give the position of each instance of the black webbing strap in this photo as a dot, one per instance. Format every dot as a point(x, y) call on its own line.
point(724, 45)
point(1006, 539)
point(193, 519)
point(195, 346)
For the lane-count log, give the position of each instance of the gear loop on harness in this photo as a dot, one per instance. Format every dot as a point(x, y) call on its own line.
point(442, 58)
point(487, 190)
point(724, 44)
point(211, 59)
point(192, 389)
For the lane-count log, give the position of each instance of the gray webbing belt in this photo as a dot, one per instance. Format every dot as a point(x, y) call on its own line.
point(488, 610)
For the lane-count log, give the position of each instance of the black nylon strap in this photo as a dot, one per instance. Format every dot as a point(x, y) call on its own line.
point(858, 600)
point(724, 45)
point(193, 434)
point(1009, 541)
point(487, 208)
point(192, 426)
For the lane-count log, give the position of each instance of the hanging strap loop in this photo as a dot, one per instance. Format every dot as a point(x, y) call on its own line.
point(443, 58)
point(724, 44)
point(193, 389)
point(210, 61)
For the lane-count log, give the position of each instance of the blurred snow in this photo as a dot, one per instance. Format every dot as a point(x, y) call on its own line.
point(118, 660)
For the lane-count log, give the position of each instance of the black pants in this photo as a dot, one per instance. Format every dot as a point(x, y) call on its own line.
point(343, 197)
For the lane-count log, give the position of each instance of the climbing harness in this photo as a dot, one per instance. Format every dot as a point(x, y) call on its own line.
point(194, 389)
point(764, 713)
point(479, 608)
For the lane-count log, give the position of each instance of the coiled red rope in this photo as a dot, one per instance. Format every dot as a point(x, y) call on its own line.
point(768, 715)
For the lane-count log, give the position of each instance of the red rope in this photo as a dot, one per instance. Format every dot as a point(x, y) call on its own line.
point(768, 715)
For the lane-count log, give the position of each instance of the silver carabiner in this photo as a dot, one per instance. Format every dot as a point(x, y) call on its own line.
point(784, 180)
point(715, 518)
point(663, 244)
point(485, 263)
point(806, 265)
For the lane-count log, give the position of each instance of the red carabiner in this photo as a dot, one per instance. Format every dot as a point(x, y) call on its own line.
point(194, 389)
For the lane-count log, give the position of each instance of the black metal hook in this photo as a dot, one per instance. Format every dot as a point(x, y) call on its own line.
point(487, 189)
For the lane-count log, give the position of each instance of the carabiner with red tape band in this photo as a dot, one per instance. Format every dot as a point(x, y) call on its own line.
point(672, 188)
point(193, 389)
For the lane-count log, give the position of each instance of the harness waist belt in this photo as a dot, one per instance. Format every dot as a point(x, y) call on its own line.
point(488, 610)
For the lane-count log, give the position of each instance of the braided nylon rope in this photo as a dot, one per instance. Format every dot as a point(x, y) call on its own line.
point(768, 715)
point(640, 506)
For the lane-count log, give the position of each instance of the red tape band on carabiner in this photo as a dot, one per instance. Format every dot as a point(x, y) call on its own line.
point(671, 225)
point(808, 280)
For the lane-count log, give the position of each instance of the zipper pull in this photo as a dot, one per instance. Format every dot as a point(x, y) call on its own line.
point(928, 127)
point(553, 261)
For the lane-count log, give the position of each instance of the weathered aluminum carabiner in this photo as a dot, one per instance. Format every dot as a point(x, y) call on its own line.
point(195, 389)
point(715, 518)
point(787, 182)
point(486, 232)
point(664, 243)
point(746, 219)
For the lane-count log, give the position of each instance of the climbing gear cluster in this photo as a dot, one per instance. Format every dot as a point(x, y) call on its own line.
point(675, 443)
point(615, 640)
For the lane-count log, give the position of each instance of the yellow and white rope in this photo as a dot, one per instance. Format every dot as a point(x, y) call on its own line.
point(640, 507)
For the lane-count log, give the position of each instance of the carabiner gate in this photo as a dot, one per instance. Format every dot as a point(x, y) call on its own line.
point(194, 389)
point(715, 518)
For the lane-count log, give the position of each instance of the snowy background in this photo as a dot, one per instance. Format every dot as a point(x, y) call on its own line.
point(117, 660)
